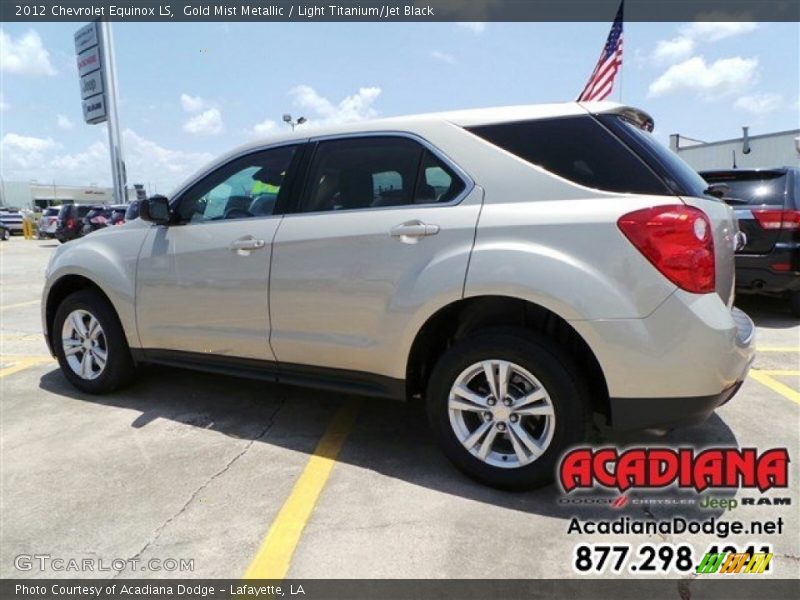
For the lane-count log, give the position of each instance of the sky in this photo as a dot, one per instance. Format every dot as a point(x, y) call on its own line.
point(192, 91)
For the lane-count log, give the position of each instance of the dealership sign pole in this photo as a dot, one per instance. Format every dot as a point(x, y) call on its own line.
point(94, 48)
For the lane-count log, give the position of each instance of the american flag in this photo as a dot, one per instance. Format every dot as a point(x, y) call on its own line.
point(601, 82)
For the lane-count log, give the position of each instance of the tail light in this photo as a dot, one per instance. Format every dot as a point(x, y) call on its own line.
point(70, 223)
point(778, 219)
point(677, 239)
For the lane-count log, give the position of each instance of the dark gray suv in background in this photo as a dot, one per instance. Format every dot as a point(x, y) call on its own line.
point(767, 205)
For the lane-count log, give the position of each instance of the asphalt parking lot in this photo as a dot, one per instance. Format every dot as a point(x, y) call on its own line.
point(247, 478)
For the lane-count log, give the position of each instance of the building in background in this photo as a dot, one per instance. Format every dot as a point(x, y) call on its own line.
point(34, 195)
point(769, 150)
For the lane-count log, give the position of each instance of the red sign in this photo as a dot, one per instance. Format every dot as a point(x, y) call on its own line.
point(685, 467)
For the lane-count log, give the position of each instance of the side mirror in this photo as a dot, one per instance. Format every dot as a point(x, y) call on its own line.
point(155, 209)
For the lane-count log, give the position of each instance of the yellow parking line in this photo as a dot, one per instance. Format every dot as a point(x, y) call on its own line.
point(274, 557)
point(779, 349)
point(19, 304)
point(780, 372)
point(20, 364)
point(766, 378)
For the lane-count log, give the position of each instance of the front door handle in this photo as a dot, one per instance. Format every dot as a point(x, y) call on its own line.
point(243, 246)
point(411, 231)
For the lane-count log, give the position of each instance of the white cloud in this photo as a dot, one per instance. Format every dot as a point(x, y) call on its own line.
point(24, 55)
point(64, 122)
point(24, 152)
point(324, 112)
point(443, 57)
point(208, 122)
point(476, 27)
point(192, 104)
point(691, 35)
point(670, 51)
point(3, 104)
point(720, 78)
point(146, 161)
point(759, 103)
point(708, 31)
point(265, 127)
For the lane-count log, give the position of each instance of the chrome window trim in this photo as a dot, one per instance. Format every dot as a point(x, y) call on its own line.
point(468, 182)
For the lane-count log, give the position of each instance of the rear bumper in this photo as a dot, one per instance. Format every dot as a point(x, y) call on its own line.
point(755, 274)
point(665, 413)
point(675, 366)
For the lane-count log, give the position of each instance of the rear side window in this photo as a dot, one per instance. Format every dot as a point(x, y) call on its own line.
point(753, 187)
point(576, 148)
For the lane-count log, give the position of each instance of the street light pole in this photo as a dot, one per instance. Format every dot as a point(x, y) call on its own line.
point(287, 118)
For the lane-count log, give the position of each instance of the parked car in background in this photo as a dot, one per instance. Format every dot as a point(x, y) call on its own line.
point(5, 232)
point(46, 228)
point(767, 205)
point(518, 268)
point(117, 214)
point(95, 219)
point(12, 219)
point(132, 212)
point(103, 215)
point(70, 221)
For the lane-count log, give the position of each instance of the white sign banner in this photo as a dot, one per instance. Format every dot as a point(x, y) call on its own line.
point(86, 37)
point(94, 109)
point(89, 61)
point(91, 84)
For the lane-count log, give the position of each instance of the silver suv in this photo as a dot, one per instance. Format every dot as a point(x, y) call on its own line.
point(517, 268)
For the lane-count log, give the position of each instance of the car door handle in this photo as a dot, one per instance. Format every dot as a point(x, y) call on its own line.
point(244, 245)
point(411, 230)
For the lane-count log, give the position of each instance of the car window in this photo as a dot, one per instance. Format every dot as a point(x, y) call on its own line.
point(246, 187)
point(753, 187)
point(576, 148)
point(437, 182)
point(375, 172)
point(681, 178)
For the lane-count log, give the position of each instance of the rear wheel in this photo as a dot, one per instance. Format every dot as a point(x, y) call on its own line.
point(504, 405)
point(90, 344)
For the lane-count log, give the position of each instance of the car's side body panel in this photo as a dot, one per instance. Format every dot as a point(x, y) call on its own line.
point(346, 294)
point(195, 293)
point(108, 259)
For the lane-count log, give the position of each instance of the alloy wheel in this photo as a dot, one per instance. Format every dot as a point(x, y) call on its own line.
point(501, 413)
point(84, 344)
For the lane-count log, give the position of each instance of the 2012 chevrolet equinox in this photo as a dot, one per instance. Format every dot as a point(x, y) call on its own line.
point(519, 268)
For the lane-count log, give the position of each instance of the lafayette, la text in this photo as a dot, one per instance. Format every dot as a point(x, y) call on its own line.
point(151, 589)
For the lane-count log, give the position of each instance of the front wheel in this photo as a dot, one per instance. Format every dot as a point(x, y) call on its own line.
point(504, 405)
point(6, 235)
point(90, 344)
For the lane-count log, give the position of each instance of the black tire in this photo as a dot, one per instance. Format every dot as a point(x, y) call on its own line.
point(6, 235)
point(546, 361)
point(794, 303)
point(119, 369)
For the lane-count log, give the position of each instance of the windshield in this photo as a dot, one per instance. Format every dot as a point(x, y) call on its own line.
point(679, 176)
point(753, 187)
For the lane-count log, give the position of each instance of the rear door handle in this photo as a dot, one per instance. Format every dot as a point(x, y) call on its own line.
point(244, 245)
point(411, 231)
